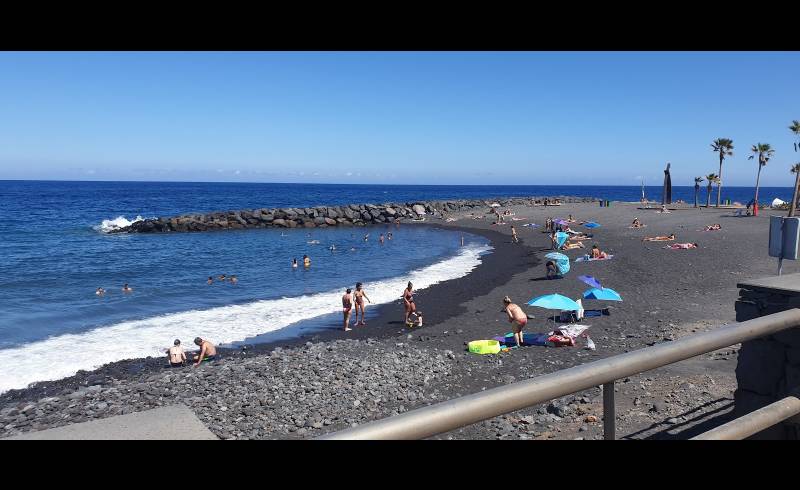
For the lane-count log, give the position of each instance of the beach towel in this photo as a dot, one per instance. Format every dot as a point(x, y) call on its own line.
point(596, 312)
point(534, 225)
point(584, 259)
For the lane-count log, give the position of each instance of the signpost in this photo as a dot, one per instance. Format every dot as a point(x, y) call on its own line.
point(784, 237)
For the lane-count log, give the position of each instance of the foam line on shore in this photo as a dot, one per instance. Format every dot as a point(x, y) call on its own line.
point(64, 355)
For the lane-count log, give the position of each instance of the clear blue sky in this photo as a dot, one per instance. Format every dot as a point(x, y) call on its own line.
point(416, 118)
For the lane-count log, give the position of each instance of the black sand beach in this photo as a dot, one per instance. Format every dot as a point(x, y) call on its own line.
point(306, 387)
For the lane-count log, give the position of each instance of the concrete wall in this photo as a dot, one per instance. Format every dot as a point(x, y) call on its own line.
point(768, 368)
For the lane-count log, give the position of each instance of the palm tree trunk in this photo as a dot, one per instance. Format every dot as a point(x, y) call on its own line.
point(755, 199)
point(696, 191)
point(719, 182)
point(794, 195)
point(708, 196)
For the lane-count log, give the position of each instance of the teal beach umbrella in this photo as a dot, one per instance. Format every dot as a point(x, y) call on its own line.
point(605, 294)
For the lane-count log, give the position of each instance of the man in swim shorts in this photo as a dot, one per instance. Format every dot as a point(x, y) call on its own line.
point(177, 358)
point(347, 305)
point(517, 317)
point(207, 351)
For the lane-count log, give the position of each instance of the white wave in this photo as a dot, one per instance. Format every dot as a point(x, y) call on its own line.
point(64, 355)
point(113, 224)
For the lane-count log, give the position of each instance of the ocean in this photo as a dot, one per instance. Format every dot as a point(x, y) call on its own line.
point(55, 251)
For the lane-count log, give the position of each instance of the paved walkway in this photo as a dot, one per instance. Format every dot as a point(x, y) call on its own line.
point(175, 422)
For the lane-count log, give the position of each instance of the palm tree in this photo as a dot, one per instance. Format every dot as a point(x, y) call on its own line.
point(724, 147)
point(697, 181)
point(764, 152)
point(796, 171)
point(711, 178)
point(795, 128)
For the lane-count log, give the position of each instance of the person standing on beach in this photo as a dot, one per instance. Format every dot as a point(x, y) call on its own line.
point(207, 351)
point(408, 301)
point(517, 317)
point(177, 358)
point(514, 236)
point(360, 294)
point(347, 305)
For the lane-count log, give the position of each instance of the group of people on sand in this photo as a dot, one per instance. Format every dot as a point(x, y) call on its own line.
point(222, 278)
point(177, 356)
point(358, 298)
point(125, 289)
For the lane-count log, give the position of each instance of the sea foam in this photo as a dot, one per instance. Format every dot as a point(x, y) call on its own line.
point(64, 355)
point(109, 225)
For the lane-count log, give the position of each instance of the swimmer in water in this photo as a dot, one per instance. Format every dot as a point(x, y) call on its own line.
point(352, 249)
point(366, 237)
point(380, 239)
point(294, 263)
point(306, 261)
point(234, 280)
point(126, 289)
point(332, 247)
point(222, 277)
point(389, 236)
point(100, 292)
point(210, 280)
point(462, 240)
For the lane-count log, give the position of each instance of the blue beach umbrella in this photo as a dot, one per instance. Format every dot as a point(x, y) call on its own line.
point(554, 302)
point(591, 224)
point(605, 294)
point(561, 260)
point(561, 238)
point(590, 281)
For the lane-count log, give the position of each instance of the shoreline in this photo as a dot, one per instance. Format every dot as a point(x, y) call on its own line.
point(383, 323)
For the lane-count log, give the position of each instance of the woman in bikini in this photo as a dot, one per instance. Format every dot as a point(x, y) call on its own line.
point(408, 301)
point(597, 253)
point(668, 238)
point(360, 295)
point(571, 246)
point(682, 246)
point(347, 305)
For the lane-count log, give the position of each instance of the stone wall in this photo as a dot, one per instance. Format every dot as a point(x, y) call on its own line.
point(768, 368)
point(324, 216)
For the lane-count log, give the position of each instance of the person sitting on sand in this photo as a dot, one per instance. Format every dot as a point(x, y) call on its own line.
point(570, 219)
point(207, 351)
point(127, 289)
point(682, 246)
point(306, 261)
point(514, 236)
point(177, 358)
point(636, 223)
point(517, 317)
point(667, 238)
point(713, 227)
point(664, 209)
point(100, 292)
point(408, 301)
point(294, 263)
point(347, 305)
point(360, 294)
point(552, 271)
point(597, 253)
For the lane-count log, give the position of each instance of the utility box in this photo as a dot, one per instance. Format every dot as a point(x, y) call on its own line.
point(784, 236)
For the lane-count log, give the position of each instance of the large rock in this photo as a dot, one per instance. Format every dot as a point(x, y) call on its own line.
point(419, 209)
point(279, 222)
point(319, 220)
point(330, 221)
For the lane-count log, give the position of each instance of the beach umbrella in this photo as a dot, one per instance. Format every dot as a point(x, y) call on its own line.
point(591, 224)
point(560, 221)
point(605, 294)
point(590, 281)
point(561, 238)
point(561, 260)
point(554, 302)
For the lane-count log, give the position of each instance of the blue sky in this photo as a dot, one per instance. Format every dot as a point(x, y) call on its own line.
point(415, 118)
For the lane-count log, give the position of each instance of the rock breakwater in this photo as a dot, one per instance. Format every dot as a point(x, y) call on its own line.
point(324, 216)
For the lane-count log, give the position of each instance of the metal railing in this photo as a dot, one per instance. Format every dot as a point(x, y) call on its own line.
point(754, 422)
point(460, 412)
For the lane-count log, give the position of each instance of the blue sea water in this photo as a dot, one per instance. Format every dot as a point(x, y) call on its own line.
point(54, 254)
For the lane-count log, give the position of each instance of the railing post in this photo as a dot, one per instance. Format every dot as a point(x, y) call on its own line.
point(609, 414)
